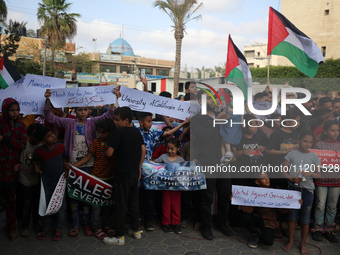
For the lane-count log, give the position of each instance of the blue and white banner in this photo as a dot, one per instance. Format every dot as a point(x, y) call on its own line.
point(172, 176)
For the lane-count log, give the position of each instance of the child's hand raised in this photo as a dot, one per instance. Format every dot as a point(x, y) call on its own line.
point(47, 93)
point(116, 91)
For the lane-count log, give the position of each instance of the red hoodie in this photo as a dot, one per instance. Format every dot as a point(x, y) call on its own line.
point(13, 143)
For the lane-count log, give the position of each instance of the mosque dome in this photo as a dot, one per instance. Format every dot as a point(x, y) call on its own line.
point(120, 46)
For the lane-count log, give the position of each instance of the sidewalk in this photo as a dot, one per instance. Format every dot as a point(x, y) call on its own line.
point(155, 242)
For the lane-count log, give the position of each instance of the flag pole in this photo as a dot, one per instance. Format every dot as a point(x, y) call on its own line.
point(268, 82)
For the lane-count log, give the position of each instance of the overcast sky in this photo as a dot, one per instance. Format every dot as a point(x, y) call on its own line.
point(149, 30)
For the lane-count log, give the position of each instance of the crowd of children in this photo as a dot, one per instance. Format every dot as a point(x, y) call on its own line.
point(112, 149)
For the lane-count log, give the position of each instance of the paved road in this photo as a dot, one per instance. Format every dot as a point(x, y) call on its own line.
point(155, 242)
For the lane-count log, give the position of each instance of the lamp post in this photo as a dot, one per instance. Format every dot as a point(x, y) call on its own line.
point(44, 66)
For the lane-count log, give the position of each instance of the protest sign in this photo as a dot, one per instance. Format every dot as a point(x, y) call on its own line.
point(83, 96)
point(56, 199)
point(146, 102)
point(29, 92)
point(328, 157)
point(87, 188)
point(172, 176)
point(264, 197)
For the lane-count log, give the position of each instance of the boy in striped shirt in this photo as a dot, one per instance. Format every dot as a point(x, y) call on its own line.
point(103, 169)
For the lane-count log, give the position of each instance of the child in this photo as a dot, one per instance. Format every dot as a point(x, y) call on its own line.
point(262, 217)
point(304, 166)
point(161, 148)
point(282, 141)
point(327, 189)
point(13, 140)
point(51, 158)
point(171, 200)
point(319, 129)
point(230, 134)
point(103, 169)
point(127, 145)
point(29, 180)
point(79, 135)
point(252, 139)
point(151, 137)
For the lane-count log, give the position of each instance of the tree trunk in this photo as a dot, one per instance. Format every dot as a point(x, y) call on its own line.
point(178, 37)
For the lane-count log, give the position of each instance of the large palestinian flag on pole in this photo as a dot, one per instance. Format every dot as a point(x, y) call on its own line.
point(8, 75)
point(237, 70)
point(286, 40)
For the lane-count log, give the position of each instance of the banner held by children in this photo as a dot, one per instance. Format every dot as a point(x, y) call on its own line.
point(29, 92)
point(87, 188)
point(83, 96)
point(263, 197)
point(172, 176)
point(146, 102)
point(55, 201)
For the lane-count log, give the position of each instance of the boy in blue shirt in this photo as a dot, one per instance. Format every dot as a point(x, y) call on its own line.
point(151, 137)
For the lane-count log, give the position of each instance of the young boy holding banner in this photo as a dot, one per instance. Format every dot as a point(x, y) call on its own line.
point(103, 169)
point(49, 161)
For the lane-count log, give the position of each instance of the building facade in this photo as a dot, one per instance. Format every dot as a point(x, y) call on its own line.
point(318, 19)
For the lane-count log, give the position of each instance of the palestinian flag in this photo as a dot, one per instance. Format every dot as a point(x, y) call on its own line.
point(237, 70)
point(286, 40)
point(8, 75)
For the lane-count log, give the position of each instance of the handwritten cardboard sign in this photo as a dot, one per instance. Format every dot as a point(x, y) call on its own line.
point(29, 92)
point(146, 102)
point(83, 96)
point(263, 197)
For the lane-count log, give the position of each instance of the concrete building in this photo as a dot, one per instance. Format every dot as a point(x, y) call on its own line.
point(256, 55)
point(320, 21)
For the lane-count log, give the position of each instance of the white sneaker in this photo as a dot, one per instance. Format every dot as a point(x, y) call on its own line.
point(228, 156)
point(114, 240)
point(136, 235)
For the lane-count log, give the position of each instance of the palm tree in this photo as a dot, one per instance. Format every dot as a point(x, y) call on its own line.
point(56, 23)
point(3, 10)
point(180, 13)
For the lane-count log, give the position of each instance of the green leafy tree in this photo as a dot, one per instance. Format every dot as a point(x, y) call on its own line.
point(326, 79)
point(10, 42)
point(180, 13)
point(3, 10)
point(56, 23)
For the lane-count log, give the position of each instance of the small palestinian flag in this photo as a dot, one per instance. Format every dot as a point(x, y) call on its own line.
point(286, 40)
point(256, 152)
point(8, 75)
point(237, 69)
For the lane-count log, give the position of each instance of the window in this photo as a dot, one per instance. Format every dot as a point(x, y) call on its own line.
point(258, 66)
point(153, 86)
point(251, 64)
point(326, 12)
point(107, 68)
point(163, 72)
point(125, 69)
point(180, 87)
point(148, 71)
point(323, 50)
point(249, 54)
point(258, 54)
